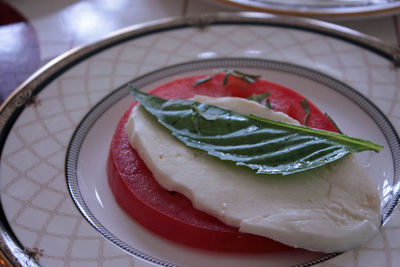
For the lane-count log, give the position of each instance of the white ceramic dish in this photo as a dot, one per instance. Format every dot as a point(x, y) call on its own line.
point(90, 144)
point(38, 121)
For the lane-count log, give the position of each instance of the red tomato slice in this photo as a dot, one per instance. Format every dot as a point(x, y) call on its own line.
point(170, 214)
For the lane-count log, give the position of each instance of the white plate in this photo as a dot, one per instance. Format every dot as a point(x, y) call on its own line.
point(90, 144)
point(319, 8)
point(39, 120)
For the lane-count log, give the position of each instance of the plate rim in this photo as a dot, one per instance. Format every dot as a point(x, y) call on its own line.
point(315, 11)
point(25, 94)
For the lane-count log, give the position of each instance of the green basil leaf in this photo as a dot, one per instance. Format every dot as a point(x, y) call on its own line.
point(306, 107)
point(249, 78)
point(261, 97)
point(267, 146)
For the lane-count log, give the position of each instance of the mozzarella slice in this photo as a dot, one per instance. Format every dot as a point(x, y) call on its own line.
point(329, 209)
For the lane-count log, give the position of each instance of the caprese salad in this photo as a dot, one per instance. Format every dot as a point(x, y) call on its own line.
point(232, 162)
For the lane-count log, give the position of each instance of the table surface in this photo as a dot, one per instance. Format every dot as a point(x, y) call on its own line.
point(32, 33)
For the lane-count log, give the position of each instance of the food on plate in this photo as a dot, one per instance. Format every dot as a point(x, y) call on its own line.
point(261, 174)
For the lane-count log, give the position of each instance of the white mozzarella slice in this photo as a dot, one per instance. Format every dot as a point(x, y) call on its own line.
point(245, 106)
point(329, 209)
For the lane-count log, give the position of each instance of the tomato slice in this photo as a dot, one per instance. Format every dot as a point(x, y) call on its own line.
point(170, 214)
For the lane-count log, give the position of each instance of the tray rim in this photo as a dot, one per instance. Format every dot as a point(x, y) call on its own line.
point(25, 94)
